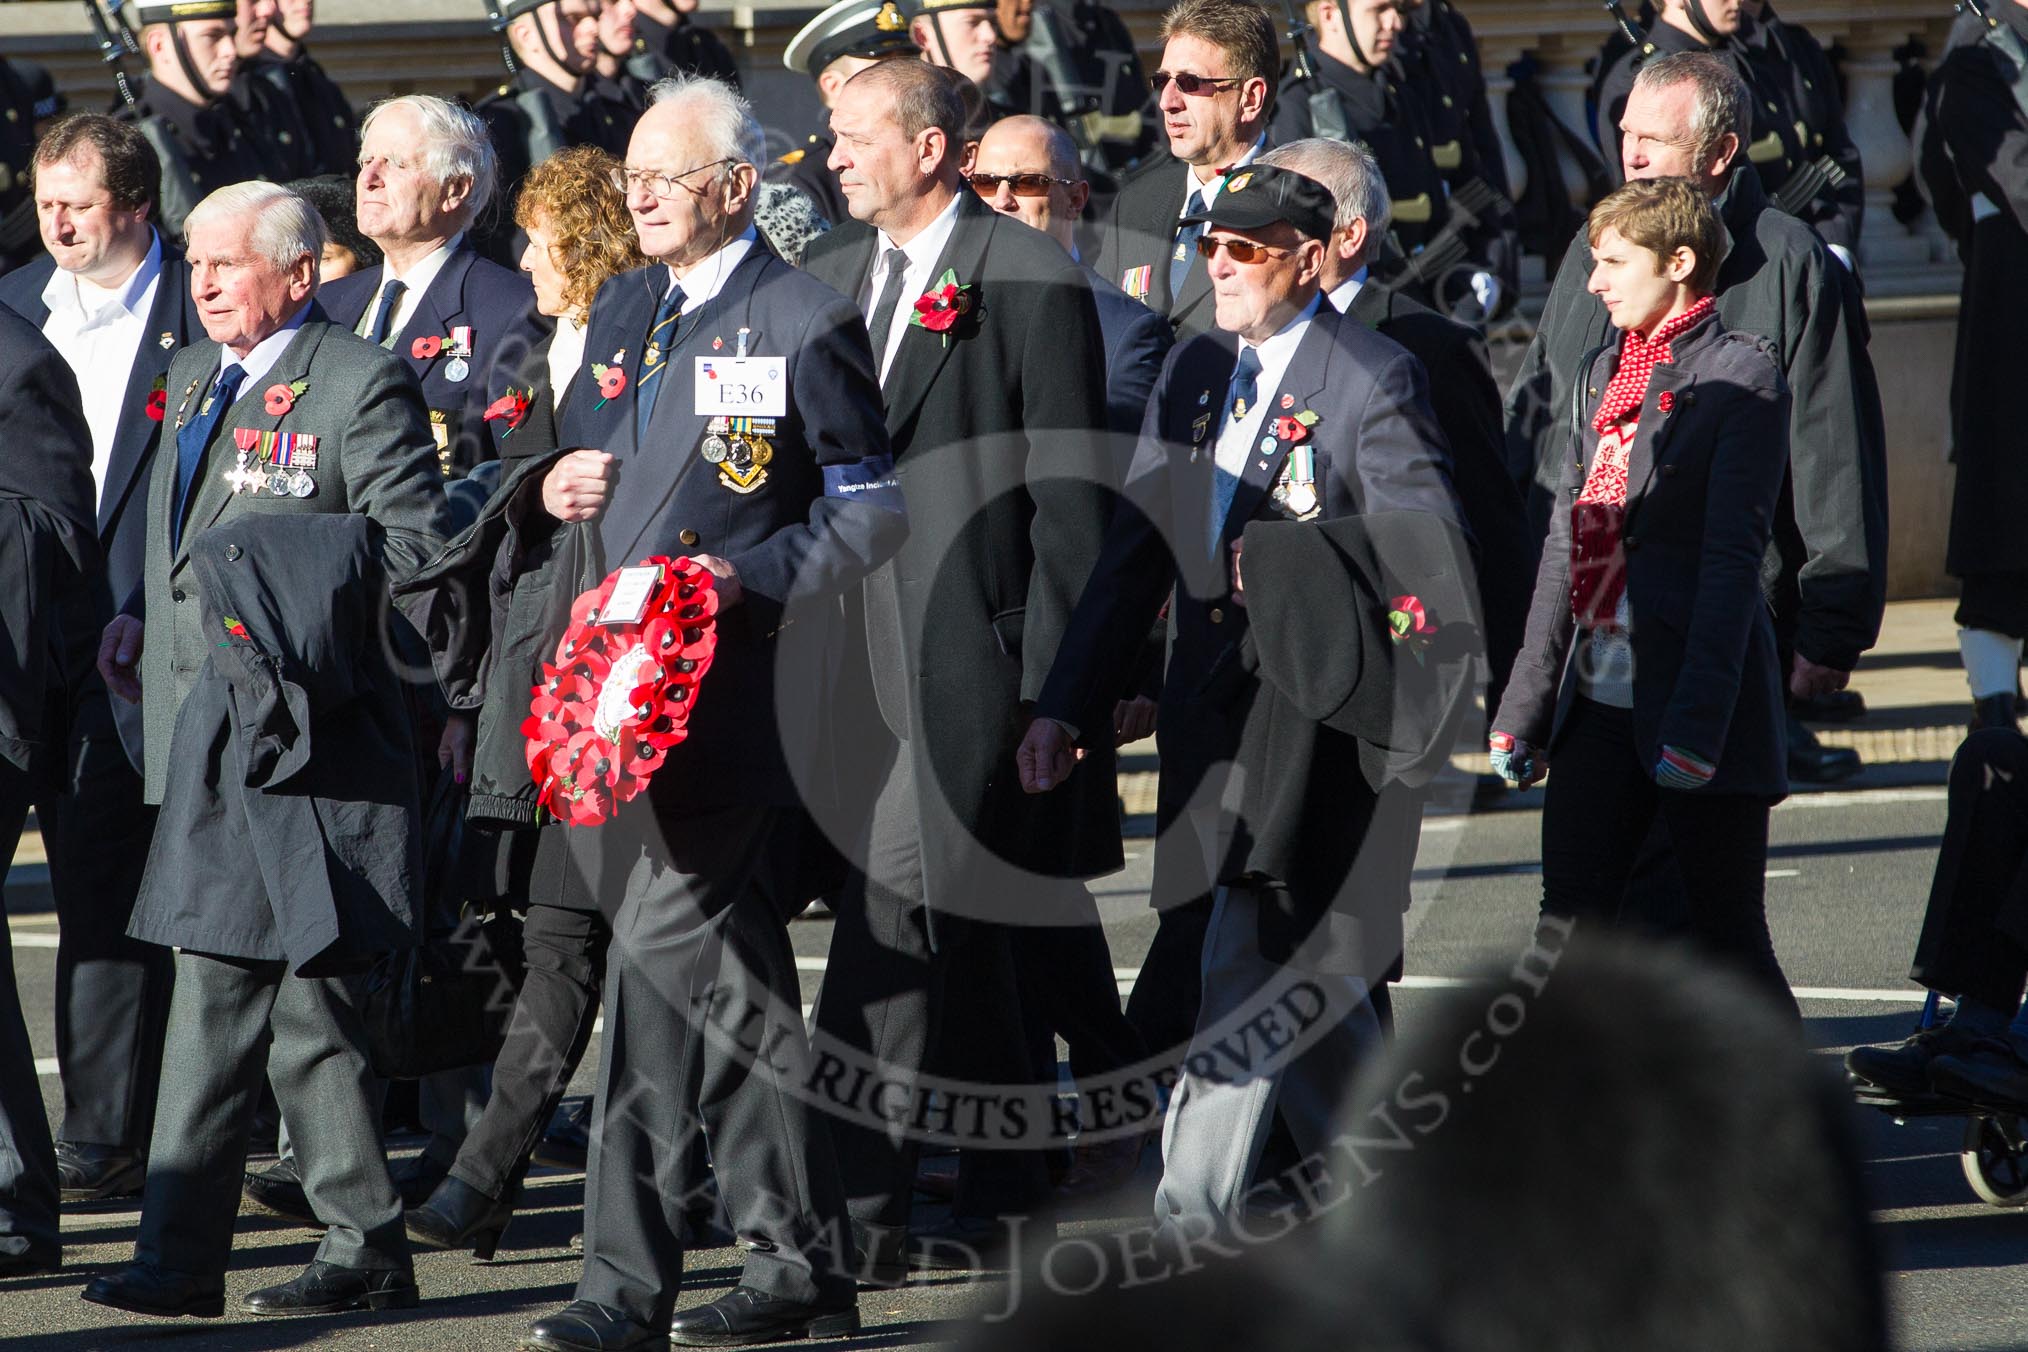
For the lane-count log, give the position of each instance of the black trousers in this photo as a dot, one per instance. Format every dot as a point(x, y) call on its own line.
point(704, 1030)
point(27, 1155)
point(112, 992)
point(564, 936)
point(1068, 990)
point(1975, 933)
point(890, 996)
point(1600, 803)
point(1995, 601)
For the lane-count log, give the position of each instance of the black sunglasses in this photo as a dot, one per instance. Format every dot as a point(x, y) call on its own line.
point(1024, 185)
point(1191, 85)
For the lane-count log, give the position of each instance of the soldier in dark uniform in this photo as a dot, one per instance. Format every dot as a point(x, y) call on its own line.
point(28, 98)
point(832, 48)
point(662, 30)
point(616, 87)
point(1082, 72)
point(329, 117)
point(542, 107)
point(1361, 84)
point(268, 117)
point(1777, 148)
point(1440, 56)
point(1787, 53)
point(964, 36)
point(1972, 146)
point(181, 105)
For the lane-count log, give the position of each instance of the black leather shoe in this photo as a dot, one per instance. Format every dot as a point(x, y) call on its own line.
point(141, 1289)
point(1811, 762)
point(279, 1192)
point(568, 1144)
point(879, 1256)
point(457, 1215)
point(28, 1264)
point(744, 1315)
point(94, 1173)
point(583, 1326)
point(417, 1177)
point(1990, 1074)
point(326, 1288)
point(1904, 1069)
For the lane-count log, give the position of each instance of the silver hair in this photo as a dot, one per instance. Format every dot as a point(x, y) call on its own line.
point(1722, 103)
point(284, 227)
point(724, 116)
point(1352, 174)
point(454, 145)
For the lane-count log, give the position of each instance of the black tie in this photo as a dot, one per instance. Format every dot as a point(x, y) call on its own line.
point(655, 358)
point(883, 309)
point(194, 436)
point(383, 317)
point(1186, 245)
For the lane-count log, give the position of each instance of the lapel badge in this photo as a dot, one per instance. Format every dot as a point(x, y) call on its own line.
point(166, 341)
point(1203, 399)
point(1200, 428)
point(1288, 401)
point(718, 344)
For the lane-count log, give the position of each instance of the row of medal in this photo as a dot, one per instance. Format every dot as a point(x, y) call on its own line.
point(277, 462)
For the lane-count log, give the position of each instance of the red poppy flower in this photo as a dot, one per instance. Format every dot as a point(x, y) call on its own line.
point(1666, 400)
point(1408, 622)
point(512, 406)
point(280, 399)
point(236, 629)
point(619, 696)
point(1291, 430)
point(158, 405)
point(612, 382)
point(426, 347)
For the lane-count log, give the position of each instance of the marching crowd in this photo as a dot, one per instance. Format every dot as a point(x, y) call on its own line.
point(557, 531)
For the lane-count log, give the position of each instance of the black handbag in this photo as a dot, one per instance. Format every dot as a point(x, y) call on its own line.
point(445, 1003)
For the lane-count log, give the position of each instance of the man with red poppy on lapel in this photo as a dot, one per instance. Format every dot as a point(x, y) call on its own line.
point(113, 295)
point(466, 326)
point(732, 404)
point(992, 363)
point(1310, 417)
point(278, 412)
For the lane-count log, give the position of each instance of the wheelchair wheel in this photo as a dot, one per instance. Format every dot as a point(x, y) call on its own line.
point(1995, 1159)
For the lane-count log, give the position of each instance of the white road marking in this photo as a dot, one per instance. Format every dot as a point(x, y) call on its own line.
point(45, 1065)
point(1784, 873)
point(33, 940)
point(1863, 797)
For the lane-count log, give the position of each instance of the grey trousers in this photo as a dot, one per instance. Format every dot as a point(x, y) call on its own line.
point(451, 1102)
point(704, 1029)
point(230, 1022)
point(1267, 1036)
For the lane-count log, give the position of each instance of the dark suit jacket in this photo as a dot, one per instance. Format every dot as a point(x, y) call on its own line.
point(1141, 232)
point(291, 829)
point(507, 341)
point(1702, 484)
point(49, 556)
point(1136, 340)
point(1377, 447)
point(1008, 493)
point(817, 522)
point(1469, 413)
point(173, 316)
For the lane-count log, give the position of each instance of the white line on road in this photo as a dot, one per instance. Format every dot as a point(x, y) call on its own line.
point(1862, 797)
point(34, 940)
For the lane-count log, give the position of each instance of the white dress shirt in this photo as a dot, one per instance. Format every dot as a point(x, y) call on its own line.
point(265, 354)
point(98, 330)
point(1347, 291)
point(414, 284)
point(923, 252)
point(566, 356)
point(706, 277)
point(1237, 436)
point(1216, 184)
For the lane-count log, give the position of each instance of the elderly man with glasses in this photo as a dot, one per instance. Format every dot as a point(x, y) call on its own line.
point(1214, 90)
point(1309, 416)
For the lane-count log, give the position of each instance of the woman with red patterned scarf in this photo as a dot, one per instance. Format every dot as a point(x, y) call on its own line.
point(1649, 672)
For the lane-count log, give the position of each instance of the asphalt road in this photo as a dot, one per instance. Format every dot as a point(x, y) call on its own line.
point(1847, 880)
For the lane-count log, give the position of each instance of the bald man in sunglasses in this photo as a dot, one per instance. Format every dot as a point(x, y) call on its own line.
point(1308, 416)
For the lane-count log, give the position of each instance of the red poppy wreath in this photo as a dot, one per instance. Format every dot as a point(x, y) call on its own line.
point(619, 695)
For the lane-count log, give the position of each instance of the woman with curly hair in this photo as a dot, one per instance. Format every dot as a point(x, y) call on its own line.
point(579, 237)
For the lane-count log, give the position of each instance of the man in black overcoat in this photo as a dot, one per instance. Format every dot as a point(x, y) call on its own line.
point(993, 371)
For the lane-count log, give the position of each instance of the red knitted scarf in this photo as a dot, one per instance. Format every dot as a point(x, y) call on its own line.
point(1598, 569)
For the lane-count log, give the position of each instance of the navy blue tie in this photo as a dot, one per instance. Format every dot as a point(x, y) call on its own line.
point(655, 358)
point(1245, 391)
point(383, 318)
point(1186, 245)
point(194, 436)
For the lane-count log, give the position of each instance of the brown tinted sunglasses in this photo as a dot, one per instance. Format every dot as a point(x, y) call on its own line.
point(1242, 250)
point(1191, 85)
point(1023, 185)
